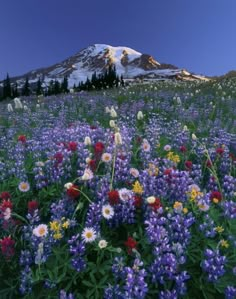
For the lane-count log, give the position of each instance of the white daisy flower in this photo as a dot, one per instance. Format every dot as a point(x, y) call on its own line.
point(89, 235)
point(203, 206)
point(102, 244)
point(41, 230)
point(125, 194)
point(193, 187)
point(106, 157)
point(107, 211)
point(24, 186)
point(146, 146)
point(167, 147)
point(134, 172)
point(88, 175)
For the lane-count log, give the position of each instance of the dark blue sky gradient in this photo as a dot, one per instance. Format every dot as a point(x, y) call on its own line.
point(199, 35)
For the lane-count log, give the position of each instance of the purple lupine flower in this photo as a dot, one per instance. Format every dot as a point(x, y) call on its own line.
point(77, 249)
point(26, 280)
point(208, 227)
point(180, 282)
point(118, 268)
point(63, 295)
point(213, 264)
point(229, 208)
point(94, 216)
point(135, 285)
point(168, 294)
point(230, 292)
point(112, 292)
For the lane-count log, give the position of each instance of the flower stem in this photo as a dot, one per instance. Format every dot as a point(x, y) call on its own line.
point(113, 167)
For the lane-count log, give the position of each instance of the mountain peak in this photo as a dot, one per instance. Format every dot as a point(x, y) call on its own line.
point(97, 58)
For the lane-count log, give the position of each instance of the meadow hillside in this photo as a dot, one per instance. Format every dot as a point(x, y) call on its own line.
point(123, 193)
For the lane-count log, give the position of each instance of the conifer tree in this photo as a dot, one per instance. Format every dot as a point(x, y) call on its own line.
point(15, 92)
point(26, 88)
point(39, 89)
point(64, 85)
point(57, 88)
point(7, 92)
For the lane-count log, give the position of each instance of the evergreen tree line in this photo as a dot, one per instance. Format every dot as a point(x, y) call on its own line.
point(12, 91)
point(108, 79)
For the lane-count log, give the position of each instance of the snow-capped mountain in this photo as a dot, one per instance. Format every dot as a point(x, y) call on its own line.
point(129, 63)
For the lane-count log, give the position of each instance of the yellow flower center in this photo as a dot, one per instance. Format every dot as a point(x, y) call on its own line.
point(89, 235)
point(24, 186)
point(107, 211)
point(42, 231)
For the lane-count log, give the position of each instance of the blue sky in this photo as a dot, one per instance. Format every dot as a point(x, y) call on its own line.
point(199, 35)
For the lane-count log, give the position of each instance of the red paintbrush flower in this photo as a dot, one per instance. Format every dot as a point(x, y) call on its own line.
point(72, 146)
point(137, 201)
point(59, 157)
point(220, 151)
point(22, 138)
point(156, 205)
point(7, 247)
point(168, 171)
point(32, 206)
point(208, 163)
point(73, 191)
point(130, 244)
point(5, 195)
point(216, 196)
point(183, 149)
point(6, 204)
point(113, 197)
point(188, 164)
point(98, 148)
point(93, 165)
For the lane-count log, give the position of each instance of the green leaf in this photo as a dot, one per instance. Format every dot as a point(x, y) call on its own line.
point(87, 283)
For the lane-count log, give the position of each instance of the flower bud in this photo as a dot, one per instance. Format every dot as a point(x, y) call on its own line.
point(87, 140)
point(140, 115)
point(113, 112)
point(68, 185)
point(151, 199)
point(112, 123)
point(118, 139)
point(9, 108)
point(87, 160)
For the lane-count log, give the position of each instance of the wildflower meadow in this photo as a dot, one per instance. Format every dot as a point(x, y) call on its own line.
point(120, 194)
